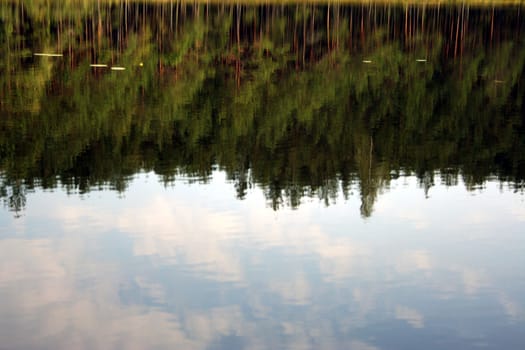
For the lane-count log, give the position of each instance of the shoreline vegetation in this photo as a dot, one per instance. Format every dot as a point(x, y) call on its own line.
point(483, 3)
point(301, 101)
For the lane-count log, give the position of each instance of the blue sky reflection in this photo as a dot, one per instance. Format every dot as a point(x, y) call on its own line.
point(189, 266)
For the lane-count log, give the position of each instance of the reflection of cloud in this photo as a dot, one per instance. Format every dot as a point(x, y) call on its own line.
point(339, 258)
point(42, 306)
point(93, 316)
point(177, 221)
point(201, 238)
point(295, 291)
point(411, 316)
point(79, 217)
point(481, 217)
point(413, 260)
point(306, 336)
point(19, 225)
point(154, 290)
point(49, 304)
point(518, 212)
point(360, 345)
point(297, 334)
point(398, 205)
point(184, 234)
point(22, 258)
point(513, 310)
point(473, 280)
point(365, 301)
point(55, 289)
point(217, 321)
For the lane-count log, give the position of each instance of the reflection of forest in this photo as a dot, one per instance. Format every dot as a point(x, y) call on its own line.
point(301, 100)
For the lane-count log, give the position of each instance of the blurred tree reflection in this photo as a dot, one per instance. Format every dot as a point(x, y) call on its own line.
point(302, 100)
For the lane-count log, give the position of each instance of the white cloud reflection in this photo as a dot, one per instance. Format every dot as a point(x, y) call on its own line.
point(512, 308)
point(414, 260)
point(411, 316)
point(284, 273)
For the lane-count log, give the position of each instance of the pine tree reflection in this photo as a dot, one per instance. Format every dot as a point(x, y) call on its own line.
point(301, 100)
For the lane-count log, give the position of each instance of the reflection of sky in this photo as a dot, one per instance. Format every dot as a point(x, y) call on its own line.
point(191, 267)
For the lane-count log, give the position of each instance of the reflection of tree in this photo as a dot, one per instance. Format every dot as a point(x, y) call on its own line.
point(277, 96)
point(14, 195)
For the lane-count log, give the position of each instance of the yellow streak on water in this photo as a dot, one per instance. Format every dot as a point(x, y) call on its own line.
point(48, 54)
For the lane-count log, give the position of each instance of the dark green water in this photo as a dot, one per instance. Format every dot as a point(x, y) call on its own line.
point(266, 177)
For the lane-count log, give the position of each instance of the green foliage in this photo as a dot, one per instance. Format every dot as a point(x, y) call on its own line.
point(300, 100)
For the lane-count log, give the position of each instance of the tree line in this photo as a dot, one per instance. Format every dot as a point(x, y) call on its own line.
point(300, 100)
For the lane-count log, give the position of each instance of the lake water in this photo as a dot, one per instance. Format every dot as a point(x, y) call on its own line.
point(297, 176)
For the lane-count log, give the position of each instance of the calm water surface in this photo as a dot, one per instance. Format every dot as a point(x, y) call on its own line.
point(261, 177)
